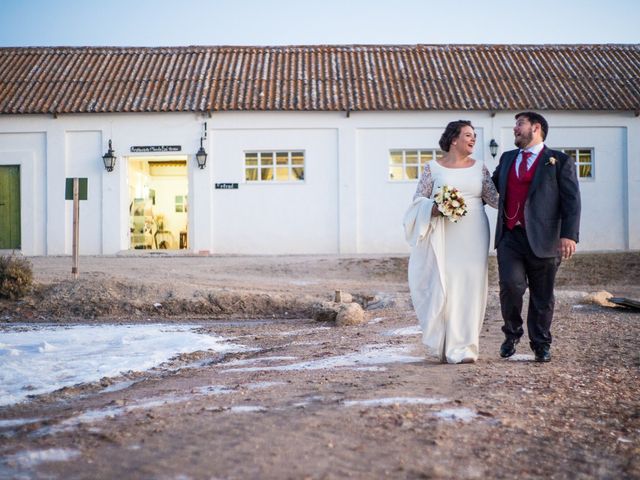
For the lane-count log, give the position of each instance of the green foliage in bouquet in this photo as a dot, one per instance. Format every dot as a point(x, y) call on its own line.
point(16, 276)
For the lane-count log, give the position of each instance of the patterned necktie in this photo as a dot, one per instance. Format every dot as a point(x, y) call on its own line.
point(522, 169)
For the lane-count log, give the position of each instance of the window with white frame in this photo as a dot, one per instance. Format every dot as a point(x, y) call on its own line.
point(409, 164)
point(584, 161)
point(274, 166)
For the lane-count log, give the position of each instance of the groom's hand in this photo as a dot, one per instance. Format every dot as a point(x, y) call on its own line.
point(567, 248)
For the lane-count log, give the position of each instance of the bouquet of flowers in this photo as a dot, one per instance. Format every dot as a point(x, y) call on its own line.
point(450, 203)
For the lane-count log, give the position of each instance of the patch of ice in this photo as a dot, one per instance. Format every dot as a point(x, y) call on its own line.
point(521, 357)
point(90, 416)
point(18, 422)
point(371, 369)
point(116, 387)
point(31, 458)
point(93, 416)
point(369, 355)
point(406, 331)
point(383, 402)
point(453, 414)
point(258, 385)
point(46, 347)
point(44, 359)
point(302, 331)
point(309, 401)
point(12, 352)
point(376, 320)
point(248, 361)
point(247, 409)
point(213, 390)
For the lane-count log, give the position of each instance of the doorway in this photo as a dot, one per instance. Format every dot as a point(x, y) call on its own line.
point(10, 238)
point(158, 206)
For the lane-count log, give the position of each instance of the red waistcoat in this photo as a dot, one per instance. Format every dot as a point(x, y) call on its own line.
point(517, 191)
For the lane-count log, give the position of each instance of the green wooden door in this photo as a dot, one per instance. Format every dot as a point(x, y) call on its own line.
point(10, 207)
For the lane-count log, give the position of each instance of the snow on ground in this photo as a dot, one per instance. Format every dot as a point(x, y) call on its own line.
point(45, 359)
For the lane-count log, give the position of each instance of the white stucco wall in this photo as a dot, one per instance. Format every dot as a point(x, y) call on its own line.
point(275, 218)
point(346, 203)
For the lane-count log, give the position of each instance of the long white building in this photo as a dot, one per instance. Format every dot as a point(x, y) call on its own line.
point(310, 150)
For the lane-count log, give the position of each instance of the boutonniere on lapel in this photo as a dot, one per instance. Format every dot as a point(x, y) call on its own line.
point(552, 161)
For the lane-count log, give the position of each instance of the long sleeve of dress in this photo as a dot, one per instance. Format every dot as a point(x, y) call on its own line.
point(425, 185)
point(489, 192)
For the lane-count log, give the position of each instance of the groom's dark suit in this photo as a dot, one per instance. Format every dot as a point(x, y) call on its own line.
point(528, 253)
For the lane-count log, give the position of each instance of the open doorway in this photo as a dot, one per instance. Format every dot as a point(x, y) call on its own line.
point(158, 193)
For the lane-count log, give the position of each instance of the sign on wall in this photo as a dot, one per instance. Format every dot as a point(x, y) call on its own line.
point(156, 148)
point(226, 186)
point(82, 190)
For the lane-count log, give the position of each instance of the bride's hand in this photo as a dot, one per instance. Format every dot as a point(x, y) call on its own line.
point(434, 210)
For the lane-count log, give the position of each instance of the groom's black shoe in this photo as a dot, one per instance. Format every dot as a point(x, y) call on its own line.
point(543, 353)
point(508, 347)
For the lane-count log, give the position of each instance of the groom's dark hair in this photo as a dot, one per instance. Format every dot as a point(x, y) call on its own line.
point(452, 132)
point(534, 117)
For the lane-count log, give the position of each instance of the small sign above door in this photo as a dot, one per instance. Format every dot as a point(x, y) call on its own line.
point(156, 148)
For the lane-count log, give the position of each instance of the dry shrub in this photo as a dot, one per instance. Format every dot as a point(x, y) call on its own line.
point(16, 276)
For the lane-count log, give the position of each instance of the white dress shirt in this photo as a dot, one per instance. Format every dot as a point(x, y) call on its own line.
point(535, 150)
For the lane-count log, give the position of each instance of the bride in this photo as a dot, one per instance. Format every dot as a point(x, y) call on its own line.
point(448, 262)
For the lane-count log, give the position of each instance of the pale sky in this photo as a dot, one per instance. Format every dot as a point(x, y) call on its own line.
point(315, 22)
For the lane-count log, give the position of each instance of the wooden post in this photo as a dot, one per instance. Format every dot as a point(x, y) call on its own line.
point(76, 227)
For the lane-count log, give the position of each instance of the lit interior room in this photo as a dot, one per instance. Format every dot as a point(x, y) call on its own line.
point(158, 192)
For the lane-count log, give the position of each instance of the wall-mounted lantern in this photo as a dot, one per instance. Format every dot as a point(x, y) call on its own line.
point(109, 159)
point(201, 155)
point(493, 148)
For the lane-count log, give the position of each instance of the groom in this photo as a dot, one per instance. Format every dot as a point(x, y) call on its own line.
point(538, 223)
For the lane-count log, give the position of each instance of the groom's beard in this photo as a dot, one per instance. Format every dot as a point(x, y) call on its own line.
point(523, 140)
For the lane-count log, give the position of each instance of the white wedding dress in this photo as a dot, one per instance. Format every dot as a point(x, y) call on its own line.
point(448, 263)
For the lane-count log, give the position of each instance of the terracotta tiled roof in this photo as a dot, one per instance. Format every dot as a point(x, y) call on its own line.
point(317, 78)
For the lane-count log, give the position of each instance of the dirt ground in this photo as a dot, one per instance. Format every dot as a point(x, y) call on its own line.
point(298, 406)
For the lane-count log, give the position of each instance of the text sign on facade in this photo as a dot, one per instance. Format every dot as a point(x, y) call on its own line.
point(82, 189)
point(156, 148)
point(226, 186)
